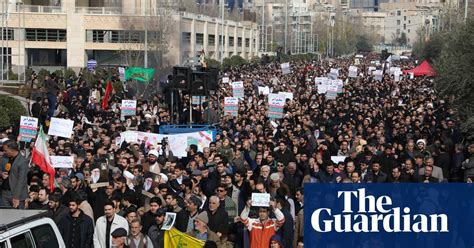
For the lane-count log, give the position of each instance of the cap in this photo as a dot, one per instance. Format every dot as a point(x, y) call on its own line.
point(160, 212)
point(154, 153)
point(119, 232)
point(147, 116)
point(202, 217)
point(80, 176)
point(197, 173)
point(66, 182)
point(421, 141)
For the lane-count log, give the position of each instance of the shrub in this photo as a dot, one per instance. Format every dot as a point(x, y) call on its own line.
point(4, 119)
point(13, 108)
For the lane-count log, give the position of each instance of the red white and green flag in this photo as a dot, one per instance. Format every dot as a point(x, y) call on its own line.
point(40, 157)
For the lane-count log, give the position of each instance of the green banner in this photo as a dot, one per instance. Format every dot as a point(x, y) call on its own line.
point(139, 73)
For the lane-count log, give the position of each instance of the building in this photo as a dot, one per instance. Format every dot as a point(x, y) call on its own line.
point(69, 33)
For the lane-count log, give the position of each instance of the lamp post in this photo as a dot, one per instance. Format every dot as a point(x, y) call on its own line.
point(145, 62)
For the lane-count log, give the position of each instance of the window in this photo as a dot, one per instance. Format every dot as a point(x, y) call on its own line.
point(405, 18)
point(199, 38)
point(38, 34)
point(398, 22)
point(239, 42)
point(231, 41)
point(404, 26)
point(408, 30)
point(398, 31)
point(186, 37)
point(98, 36)
point(221, 41)
point(211, 40)
point(409, 21)
point(44, 237)
point(247, 42)
point(22, 241)
point(7, 34)
point(399, 12)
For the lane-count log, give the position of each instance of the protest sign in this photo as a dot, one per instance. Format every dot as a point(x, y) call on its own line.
point(378, 74)
point(121, 74)
point(225, 80)
point(371, 68)
point(285, 68)
point(263, 90)
point(129, 107)
point(61, 127)
point(28, 128)
point(337, 159)
point(260, 200)
point(62, 161)
point(231, 105)
point(333, 74)
point(276, 103)
point(286, 95)
point(168, 223)
point(352, 71)
point(396, 75)
point(238, 89)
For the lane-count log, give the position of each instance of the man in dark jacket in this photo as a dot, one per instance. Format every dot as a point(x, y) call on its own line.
point(155, 233)
point(56, 210)
point(76, 228)
point(148, 218)
point(376, 175)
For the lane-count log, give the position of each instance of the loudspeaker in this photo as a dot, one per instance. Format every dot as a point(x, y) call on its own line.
point(199, 82)
point(213, 78)
point(181, 77)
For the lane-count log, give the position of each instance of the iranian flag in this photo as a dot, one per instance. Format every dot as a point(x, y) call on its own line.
point(40, 157)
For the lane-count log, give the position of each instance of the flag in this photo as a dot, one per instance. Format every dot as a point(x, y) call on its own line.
point(175, 238)
point(139, 73)
point(40, 157)
point(108, 90)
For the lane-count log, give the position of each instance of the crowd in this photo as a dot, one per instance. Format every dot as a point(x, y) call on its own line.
point(388, 132)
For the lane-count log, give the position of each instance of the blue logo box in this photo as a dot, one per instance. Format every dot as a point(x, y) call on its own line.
point(389, 215)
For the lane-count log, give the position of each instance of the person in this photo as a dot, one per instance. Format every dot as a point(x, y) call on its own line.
point(76, 228)
point(119, 237)
point(56, 210)
point(202, 232)
point(136, 239)
point(15, 189)
point(218, 217)
point(276, 242)
point(262, 229)
point(148, 219)
point(468, 164)
point(106, 224)
point(155, 233)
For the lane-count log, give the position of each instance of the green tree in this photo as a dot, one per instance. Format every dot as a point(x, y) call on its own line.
point(455, 74)
point(4, 119)
point(14, 109)
point(233, 61)
point(363, 44)
point(429, 49)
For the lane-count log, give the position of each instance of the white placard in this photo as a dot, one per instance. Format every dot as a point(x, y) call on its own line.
point(337, 159)
point(371, 68)
point(231, 101)
point(121, 74)
point(378, 75)
point(286, 95)
point(62, 161)
point(352, 71)
point(225, 80)
point(61, 127)
point(263, 90)
point(333, 74)
point(168, 223)
point(260, 199)
point(285, 68)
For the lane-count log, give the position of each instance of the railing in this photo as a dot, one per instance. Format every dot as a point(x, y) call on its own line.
point(39, 9)
point(99, 10)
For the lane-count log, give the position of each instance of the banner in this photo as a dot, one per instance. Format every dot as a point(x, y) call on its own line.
point(238, 89)
point(28, 128)
point(175, 238)
point(263, 90)
point(352, 71)
point(62, 161)
point(91, 65)
point(231, 105)
point(61, 127)
point(371, 68)
point(286, 95)
point(285, 68)
point(276, 102)
point(422, 215)
point(139, 73)
point(178, 142)
point(396, 75)
point(129, 107)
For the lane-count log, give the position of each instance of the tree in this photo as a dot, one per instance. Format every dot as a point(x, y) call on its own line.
point(429, 49)
point(363, 44)
point(455, 74)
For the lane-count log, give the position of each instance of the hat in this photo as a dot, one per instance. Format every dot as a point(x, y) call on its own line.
point(277, 239)
point(202, 217)
point(80, 176)
point(164, 177)
point(66, 182)
point(421, 141)
point(197, 173)
point(195, 200)
point(154, 153)
point(160, 212)
point(147, 116)
point(119, 232)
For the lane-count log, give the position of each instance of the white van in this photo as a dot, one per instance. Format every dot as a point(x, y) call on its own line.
point(28, 229)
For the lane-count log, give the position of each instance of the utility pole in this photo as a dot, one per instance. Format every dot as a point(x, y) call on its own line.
point(3, 36)
point(466, 3)
point(264, 30)
point(286, 25)
point(145, 62)
point(222, 31)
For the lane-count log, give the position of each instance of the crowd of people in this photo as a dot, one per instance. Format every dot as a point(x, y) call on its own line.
point(387, 131)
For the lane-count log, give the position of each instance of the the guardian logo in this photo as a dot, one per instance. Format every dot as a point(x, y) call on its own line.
point(374, 215)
